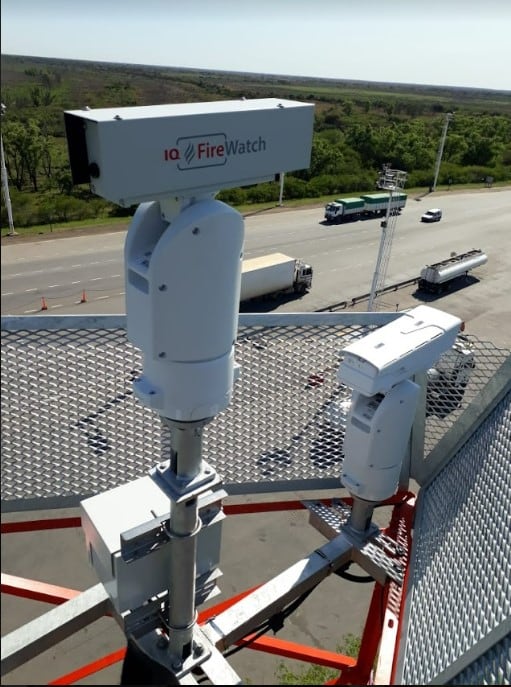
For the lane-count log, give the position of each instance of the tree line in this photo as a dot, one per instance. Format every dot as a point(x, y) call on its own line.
point(353, 138)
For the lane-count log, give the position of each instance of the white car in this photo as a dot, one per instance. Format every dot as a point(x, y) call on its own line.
point(433, 215)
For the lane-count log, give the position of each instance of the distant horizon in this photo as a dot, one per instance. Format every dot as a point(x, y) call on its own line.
point(252, 73)
point(442, 43)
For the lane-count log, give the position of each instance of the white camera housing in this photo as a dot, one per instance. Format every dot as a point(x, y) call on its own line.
point(395, 352)
point(378, 368)
point(376, 439)
point(133, 154)
point(184, 250)
point(182, 300)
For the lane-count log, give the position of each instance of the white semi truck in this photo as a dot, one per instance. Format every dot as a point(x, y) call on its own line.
point(369, 205)
point(437, 277)
point(274, 274)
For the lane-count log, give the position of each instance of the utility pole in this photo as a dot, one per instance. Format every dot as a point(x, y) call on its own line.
point(448, 118)
point(281, 190)
point(5, 185)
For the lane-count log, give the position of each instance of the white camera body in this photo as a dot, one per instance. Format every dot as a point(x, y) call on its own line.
point(378, 368)
point(395, 352)
point(182, 301)
point(184, 250)
point(133, 154)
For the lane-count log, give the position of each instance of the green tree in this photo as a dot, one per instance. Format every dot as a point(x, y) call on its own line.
point(325, 159)
point(347, 107)
point(25, 148)
point(361, 137)
point(480, 151)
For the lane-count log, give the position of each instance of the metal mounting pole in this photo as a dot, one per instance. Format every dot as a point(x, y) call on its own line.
point(185, 466)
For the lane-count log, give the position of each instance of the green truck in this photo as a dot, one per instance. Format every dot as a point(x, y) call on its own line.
point(369, 205)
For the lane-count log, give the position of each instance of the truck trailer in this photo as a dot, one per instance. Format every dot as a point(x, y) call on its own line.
point(437, 277)
point(376, 204)
point(369, 205)
point(273, 275)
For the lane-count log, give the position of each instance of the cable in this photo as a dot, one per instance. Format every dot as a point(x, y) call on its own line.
point(274, 623)
point(360, 579)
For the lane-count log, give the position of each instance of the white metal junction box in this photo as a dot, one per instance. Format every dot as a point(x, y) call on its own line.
point(134, 505)
point(133, 154)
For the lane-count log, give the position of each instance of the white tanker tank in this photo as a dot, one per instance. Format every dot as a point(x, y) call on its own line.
point(437, 277)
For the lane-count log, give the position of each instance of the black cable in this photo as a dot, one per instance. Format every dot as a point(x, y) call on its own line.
point(274, 623)
point(354, 578)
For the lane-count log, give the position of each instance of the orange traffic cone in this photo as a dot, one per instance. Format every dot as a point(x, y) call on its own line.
point(43, 304)
point(84, 297)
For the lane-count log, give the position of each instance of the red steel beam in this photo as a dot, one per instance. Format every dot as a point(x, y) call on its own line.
point(43, 524)
point(353, 671)
point(35, 590)
point(90, 668)
point(300, 652)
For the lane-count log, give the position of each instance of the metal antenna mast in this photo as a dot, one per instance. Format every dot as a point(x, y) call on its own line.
point(391, 180)
point(448, 118)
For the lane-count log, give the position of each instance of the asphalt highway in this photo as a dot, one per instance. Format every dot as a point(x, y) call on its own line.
point(86, 274)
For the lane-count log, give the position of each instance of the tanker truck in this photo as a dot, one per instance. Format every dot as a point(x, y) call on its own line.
point(273, 275)
point(436, 278)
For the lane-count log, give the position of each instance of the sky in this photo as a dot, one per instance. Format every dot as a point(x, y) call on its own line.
point(465, 43)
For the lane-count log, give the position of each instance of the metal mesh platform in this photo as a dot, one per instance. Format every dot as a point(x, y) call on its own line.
point(459, 605)
point(71, 426)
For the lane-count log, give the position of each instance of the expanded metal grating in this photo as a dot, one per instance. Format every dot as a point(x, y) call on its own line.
point(459, 604)
point(493, 668)
point(71, 426)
